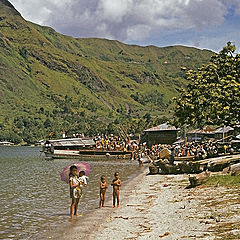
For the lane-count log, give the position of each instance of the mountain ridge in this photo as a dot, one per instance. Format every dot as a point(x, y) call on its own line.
point(50, 82)
point(8, 6)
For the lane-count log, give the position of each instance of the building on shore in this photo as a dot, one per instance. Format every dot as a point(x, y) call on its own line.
point(162, 134)
point(224, 132)
point(210, 133)
point(200, 134)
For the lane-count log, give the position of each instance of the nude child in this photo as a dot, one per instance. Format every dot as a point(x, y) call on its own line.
point(116, 183)
point(103, 189)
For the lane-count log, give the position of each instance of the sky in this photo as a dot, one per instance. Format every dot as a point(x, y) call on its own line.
point(207, 24)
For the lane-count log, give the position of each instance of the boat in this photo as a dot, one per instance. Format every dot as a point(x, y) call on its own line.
point(6, 143)
point(81, 148)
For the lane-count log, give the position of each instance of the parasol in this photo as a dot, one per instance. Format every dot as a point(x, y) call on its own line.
point(81, 166)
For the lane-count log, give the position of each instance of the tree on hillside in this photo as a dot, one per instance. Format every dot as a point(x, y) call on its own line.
point(213, 94)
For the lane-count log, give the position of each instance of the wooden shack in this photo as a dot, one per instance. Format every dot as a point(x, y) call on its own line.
point(162, 134)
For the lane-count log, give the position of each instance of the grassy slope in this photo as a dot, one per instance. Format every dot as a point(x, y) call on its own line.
point(94, 77)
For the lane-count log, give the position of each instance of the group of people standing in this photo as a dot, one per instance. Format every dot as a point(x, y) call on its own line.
point(198, 150)
point(77, 181)
point(111, 142)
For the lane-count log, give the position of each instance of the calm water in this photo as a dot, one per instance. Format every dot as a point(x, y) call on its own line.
point(34, 200)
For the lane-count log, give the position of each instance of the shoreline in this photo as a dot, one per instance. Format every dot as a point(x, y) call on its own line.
point(134, 218)
point(149, 210)
point(89, 222)
point(160, 207)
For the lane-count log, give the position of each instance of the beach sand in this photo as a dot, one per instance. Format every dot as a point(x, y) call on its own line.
point(159, 207)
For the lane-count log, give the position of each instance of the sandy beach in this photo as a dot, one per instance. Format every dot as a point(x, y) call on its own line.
point(159, 207)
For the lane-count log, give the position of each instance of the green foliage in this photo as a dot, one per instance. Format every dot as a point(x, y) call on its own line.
point(50, 82)
point(213, 93)
point(154, 97)
point(23, 52)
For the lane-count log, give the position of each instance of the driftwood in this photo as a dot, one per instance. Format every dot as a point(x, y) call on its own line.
point(199, 178)
point(178, 168)
point(185, 158)
point(226, 170)
point(220, 163)
point(213, 164)
point(218, 166)
point(167, 168)
point(153, 170)
point(190, 167)
point(235, 169)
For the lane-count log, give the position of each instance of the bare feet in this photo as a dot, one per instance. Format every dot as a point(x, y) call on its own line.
point(118, 205)
point(113, 206)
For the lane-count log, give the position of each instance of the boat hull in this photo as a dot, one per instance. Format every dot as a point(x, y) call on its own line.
point(89, 155)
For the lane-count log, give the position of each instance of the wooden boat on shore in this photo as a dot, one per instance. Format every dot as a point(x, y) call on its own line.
point(81, 148)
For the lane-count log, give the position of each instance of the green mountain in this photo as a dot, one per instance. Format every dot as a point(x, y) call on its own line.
point(50, 82)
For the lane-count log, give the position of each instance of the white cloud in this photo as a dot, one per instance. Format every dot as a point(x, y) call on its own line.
point(114, 10)
point(215, 43)
point(126, 20)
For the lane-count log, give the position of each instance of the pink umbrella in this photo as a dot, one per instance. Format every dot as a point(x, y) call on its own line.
point(81, 166)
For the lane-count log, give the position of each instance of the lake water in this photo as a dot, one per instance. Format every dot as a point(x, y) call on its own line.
point(35, 200)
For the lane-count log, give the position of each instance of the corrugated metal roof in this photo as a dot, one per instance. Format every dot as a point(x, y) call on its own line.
point(226, 129)
point(205, 130)
point(162, 127)
point(179, 141)
point(209, 130)
point(73, 142)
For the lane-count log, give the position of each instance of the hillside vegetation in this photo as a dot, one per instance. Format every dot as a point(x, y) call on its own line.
point(50, 82)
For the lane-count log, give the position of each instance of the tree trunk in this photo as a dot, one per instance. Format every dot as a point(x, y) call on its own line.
point(167, 168)
point(153, 170)
point(199, 179)
point(235, 169)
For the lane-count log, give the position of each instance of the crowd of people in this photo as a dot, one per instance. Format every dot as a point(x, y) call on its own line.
point(198, 150)
point(111, 142)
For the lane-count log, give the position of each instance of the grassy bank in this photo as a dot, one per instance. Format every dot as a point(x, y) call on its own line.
point(223, 180)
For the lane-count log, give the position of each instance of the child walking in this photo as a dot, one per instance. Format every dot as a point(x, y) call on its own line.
point(75, 193)
point(103, 189)
point(116, 183)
